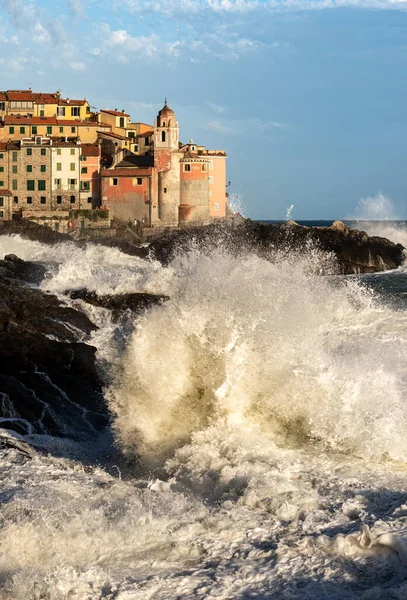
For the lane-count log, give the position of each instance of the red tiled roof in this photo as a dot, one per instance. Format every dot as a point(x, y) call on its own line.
point(20, 95)
point(116, 113)
point(3, 96)
point(145, 134)
point(4, 192)
point(131, 172)
point(116, 136)
point(60, 143)
point(77, 123)
point(16, 120)
point(90, 150)
point(66, 102)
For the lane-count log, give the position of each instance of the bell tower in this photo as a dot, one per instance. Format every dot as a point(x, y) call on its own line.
point(166, 130)
point(166, 163)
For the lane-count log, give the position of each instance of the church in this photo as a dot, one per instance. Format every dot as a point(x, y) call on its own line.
point(157, 180)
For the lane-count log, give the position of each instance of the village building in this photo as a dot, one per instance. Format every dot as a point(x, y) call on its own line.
point(89, 176)
point(57, 157)
point(164, 184)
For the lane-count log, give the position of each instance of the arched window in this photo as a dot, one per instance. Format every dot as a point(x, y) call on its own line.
point(163, 136)
point(163, 124)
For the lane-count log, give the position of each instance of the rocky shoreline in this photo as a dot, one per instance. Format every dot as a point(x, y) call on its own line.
point(49, 379)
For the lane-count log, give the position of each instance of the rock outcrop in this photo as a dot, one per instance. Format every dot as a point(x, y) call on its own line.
point(354, 250)
point(135, 302)
point(49, 382)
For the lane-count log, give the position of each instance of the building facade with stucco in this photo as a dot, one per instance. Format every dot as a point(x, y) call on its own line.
point(165, 183)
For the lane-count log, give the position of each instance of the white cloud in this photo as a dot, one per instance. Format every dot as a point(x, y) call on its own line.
point(239, 126)
point(216, 108)
point(75, 7)
point(78, 66)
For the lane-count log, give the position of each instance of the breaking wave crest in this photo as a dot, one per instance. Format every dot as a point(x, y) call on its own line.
point(270, 347)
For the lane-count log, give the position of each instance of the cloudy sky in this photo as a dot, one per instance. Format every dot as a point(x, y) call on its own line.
point(308, 97)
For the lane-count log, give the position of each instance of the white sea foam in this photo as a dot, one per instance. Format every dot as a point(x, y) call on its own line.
point(272, 402)
point(378, 216)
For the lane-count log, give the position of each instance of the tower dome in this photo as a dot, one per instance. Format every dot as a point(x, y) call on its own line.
point(166, 116)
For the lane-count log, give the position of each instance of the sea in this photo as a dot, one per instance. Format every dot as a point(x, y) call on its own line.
point(258, 439)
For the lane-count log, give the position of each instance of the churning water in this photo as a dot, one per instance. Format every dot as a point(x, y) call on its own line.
point(262, 410)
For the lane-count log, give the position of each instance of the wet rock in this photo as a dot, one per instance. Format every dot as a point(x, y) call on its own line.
point(16, 268)
point(354, 250)
point(136, 302)
point(49, 382)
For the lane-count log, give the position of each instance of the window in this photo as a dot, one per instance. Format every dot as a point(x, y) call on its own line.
point(29, 200)
point(30, 185)
point(49, 130)
point(14, 157)
point(11, 129)
point(72, 167)
point(2, 106)
point(187, 167)
point(90, 200)
point(29, 168)
point(165, 190)
point(1, 214)
point(60, 111)
point(163, 136)
point(14, 185)
point(1, 169)
point(58, 183)
point(42, 113)
point(75, 111)
point(210, 179)
point(2, 184)
point(14, 169)
point(84, 158)
point(59, 166)
point(72, 199)
point(1, 155)
point(43, 200)
point(15, 199)
point(216, 206)
point(29, 151)
point(73, 129)
point(121, 122)
point(22, 130)
point(146, 140)
point(139, 181)
point(59, 199)
point(210, 165)
point(41, 185)
point(84, 170)
point(131, 134)
point(72, 184)
point(34, 130)
point(72, 151)
point(85, 186)
point(61, 130)
point(43, 168)
point(43, 151)
point(1, 201)
point(203, 167)
point(59, 151)
point(115, 181)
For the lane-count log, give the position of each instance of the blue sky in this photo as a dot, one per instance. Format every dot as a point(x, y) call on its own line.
point(306, 96)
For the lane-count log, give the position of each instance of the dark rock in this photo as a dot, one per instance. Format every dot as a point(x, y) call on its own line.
point(354, 250)
point(16, 268)
point(136, 302)
point(49, 382)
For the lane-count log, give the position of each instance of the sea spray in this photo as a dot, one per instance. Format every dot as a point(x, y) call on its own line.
point(284, 367)
point(248, 342)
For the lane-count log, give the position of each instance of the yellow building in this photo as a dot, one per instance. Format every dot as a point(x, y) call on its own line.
point(29, 103)
point(20, 127)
